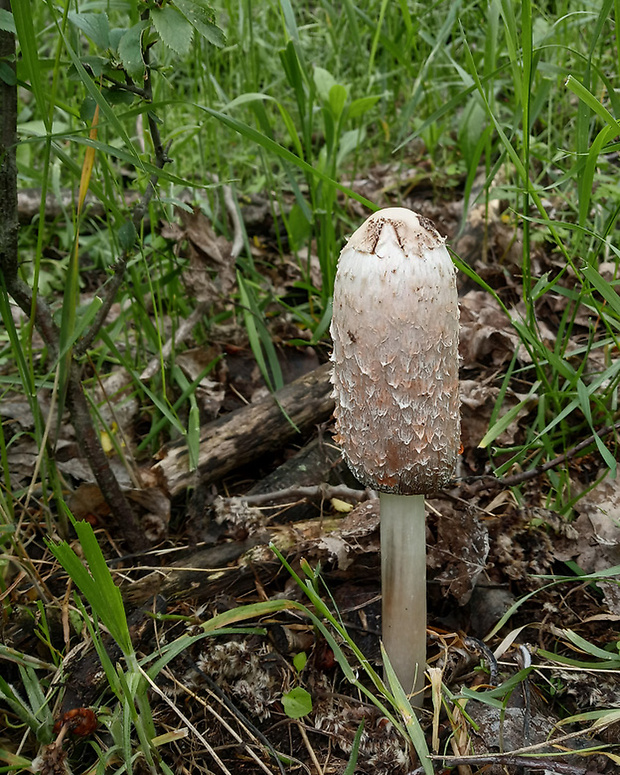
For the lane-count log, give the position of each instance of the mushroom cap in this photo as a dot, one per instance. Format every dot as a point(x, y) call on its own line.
point(395, 330)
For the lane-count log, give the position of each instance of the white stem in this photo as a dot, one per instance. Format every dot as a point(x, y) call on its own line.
point(403, 588)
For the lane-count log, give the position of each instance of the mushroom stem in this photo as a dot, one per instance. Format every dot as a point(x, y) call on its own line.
point(403, 582)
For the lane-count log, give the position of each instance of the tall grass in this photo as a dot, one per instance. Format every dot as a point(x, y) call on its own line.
point(287, 110)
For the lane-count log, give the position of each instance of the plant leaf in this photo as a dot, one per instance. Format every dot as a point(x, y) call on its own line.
point(7, 22)
point(337, 98)
point(297, 702)
point(324, 81)
point(173, 29)
point(127, 236)
point(94, 25)
point(355, 748)
point(200, 16)
point(360, 106)
point(412, 724)
point(7, 74)
point(95, 582)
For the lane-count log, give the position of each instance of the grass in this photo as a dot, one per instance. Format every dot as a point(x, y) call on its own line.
point(298, 102)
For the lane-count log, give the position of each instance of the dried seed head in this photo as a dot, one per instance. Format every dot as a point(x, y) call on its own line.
point(395, 333)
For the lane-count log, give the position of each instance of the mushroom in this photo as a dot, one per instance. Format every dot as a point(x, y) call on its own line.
point(395, 377)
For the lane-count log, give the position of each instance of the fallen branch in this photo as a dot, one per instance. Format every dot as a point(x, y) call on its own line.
point(249, 432)
point(530, 762)
point(312, 492)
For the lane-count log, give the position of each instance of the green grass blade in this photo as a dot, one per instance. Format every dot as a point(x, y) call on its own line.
point(95, 582)
point(259, 336)
point(506, 420)
point(161, 405)
point(412, 725)
point(352, 763)
point(92, 625)
point(283, 153)
point(193, 422)
point(22, 13)
point(590, 100)
point(591, 649)
point(607, 291)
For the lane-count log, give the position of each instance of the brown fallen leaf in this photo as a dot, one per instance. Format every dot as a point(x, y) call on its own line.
point(88, 503)
point(487, 336)
point(594, 541)
point(211, 272)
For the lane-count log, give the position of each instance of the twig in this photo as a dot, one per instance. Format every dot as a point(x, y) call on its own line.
point(44, 322)
point(216, 690)
point(111, 289)
point(161, 153)
point(161, 158)
point(523, 756)
point(322, 491)
point(137, 216)
point(78, 405)
point(309, 748)
point(90, 443)
point(126, 87)
point(175, 709)
point(492, 482)
point(532, 762)
point(326, 492)
point(210, 709)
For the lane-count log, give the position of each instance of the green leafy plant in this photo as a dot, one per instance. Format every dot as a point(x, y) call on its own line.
point(33, 708)
point(297, 702)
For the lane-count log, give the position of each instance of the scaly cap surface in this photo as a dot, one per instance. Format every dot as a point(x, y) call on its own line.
point(395, 333)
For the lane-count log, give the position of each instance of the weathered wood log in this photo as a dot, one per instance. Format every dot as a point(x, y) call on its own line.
point(247, 433)
point(234, 568)
point(200, 575)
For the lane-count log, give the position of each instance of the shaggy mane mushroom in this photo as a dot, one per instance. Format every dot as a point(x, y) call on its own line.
point(395, 377)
